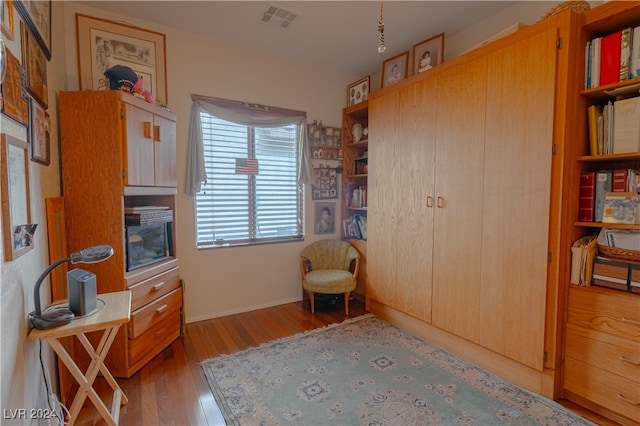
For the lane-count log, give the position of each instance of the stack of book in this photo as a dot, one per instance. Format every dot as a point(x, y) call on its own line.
point(355, 227)
point(609, 196)
point(612, 58)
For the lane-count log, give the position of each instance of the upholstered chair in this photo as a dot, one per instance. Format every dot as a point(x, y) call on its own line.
point(329, 267)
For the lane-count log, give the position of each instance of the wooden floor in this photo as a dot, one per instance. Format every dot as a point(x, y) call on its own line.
point(172, 389)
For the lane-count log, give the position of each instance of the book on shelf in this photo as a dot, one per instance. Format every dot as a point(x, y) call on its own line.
point(595, 62)
point(586, 196)
point(626, 126)
point(625, 180)
point(587, 65)
point(356, 226)
point(620, 207)
point(635, 54)
point(610, 58)
point(625, 53)
point(604, 179)
point(592, 113)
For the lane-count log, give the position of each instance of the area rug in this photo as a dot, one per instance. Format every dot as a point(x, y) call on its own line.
point(366, 371)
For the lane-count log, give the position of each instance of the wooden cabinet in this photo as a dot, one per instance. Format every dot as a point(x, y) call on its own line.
point(602, 366)
point(355, 177)
point(602, 331)
point(466, 165)
point(118, 152)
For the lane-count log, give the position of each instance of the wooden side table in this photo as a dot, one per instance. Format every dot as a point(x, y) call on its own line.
point(114, 309)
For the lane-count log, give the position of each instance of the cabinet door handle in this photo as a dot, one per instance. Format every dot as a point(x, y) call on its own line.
point(440, 202)
point(634, 322)
point(156, 133)
point(625, 359)
point(161, 309)
point(146, 129)
point(158, 286)
point(429, 201)
point(627, 400)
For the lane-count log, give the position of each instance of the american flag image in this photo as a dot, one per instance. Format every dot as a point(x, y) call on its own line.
point(247, 166)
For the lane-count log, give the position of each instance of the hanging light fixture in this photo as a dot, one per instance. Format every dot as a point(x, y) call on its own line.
point(381, 46)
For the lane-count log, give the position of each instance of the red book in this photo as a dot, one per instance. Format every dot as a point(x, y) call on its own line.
point(610, 51)
point(620, 181)
point(587, 197)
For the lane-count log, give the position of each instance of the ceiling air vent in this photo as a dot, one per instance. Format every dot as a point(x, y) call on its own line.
point(278, 17)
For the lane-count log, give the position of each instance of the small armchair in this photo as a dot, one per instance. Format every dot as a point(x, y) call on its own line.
point(326, 267)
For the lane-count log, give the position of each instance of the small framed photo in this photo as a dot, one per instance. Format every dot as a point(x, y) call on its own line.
point(6, 18)
point(358, 91)
point(325, 218)
point(395, 69)
point(349, 229)
point(428, 53)
point(39, 133)
point(35, 64)
point(16, 205)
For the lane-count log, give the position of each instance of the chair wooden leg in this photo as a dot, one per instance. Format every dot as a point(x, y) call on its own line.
point(312, 302)
point(346, 303)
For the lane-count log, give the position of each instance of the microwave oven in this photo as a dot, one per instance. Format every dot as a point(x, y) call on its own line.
point(147, 244)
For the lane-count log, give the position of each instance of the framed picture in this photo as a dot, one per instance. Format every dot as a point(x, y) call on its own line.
point(16, 208)
point(395, 69)
point(325, 218)
point(35, 66)
point(348, 228)
point(103, 44)
point(325, 183)
point(428, 53)
point(37, 15)
point(358, 91)
point(39, 133)
point(6, 18)
point(14, 98)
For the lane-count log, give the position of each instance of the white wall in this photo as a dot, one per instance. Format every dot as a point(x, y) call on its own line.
point(217, 282)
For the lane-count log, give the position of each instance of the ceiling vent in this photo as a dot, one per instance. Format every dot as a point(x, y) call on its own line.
point(278, 17)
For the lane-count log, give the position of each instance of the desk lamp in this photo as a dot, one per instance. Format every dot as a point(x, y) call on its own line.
point(56, 316)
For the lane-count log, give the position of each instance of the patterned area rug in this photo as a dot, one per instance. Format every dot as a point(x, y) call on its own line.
point(366, 371)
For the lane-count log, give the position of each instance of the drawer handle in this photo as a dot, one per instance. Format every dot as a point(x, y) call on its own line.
point(161, 309)
point(625, 359)
point(623, 319)
point(627, 400)
point(160, 332)
point(158, 286)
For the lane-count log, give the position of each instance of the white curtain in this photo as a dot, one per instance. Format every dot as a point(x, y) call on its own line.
point(248, 115)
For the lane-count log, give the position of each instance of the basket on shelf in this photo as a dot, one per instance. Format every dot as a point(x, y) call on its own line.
point(619, 253)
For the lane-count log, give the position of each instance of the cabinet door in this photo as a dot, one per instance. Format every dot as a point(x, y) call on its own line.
point(139, 156)
point(517, 176)
point(164, 138)
point(381, 212)
point(457, 231)
point(412, 178)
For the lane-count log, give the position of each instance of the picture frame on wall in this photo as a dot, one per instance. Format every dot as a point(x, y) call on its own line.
point(37, 16)
point(103, 44)
point(395, 69)
point(428, 53)
point(14, 98)
point(6, 18)
point(39, 138)
point(325, 215)
point(35, 66)
point(358, 91)
point(16, 207)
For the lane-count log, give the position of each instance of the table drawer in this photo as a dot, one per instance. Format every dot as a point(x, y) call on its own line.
point(609, 390)
point(154, 340)
point(147, 316)
point(152, 288)
point(609, 311)
point(610, 353)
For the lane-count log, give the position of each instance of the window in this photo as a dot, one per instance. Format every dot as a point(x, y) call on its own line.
point(252, 194)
